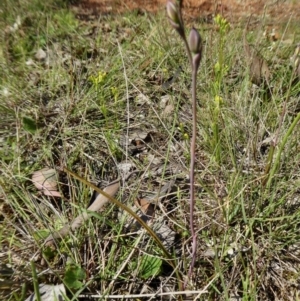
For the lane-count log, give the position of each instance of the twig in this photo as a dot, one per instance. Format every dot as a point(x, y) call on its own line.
point(199, 292)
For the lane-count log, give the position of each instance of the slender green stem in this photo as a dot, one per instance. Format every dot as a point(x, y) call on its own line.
point(35, 283)
point(216, 139)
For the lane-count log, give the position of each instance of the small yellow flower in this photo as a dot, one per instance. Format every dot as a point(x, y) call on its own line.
point(217, 67)
point(222, 23)
point(165, 70)
point(114, 92)
point(98, 79)
point(218, 103)
point(218, 100)
point(186, 136)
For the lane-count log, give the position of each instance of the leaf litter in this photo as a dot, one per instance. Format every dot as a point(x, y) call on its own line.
point(49, 293)
point(46, 181)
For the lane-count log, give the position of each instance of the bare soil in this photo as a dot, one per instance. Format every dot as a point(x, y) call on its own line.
point(278, 10)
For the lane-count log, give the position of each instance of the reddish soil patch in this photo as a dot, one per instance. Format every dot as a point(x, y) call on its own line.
point(280, 10)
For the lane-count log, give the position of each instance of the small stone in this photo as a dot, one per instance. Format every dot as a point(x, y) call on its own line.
point(40, 54)
point(29, 62)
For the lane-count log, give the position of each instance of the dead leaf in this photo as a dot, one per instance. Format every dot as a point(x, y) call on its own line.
point(164, 100)
point(165, 234)
point(146, 214)
point(146, 207)
point(45, 180)
point(40, 54)
point(142, 99)
point(169, 109)
point(272, 35)
point(125, 168)
point(49, 293)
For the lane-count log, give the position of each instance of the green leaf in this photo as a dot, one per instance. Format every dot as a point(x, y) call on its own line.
point(49, 253)
point(29, 125)
point(74, 276)
point(41, 234)
point(150, 266)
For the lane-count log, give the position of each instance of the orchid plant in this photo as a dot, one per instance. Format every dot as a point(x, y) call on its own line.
point(193, 47)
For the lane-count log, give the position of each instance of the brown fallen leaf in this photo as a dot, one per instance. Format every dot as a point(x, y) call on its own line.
point(146, 207)
point(99, 202)
point(45, 180)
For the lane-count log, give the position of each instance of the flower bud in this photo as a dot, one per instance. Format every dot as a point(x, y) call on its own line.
point(174, 18)
point(172, 13)
point(195, 41)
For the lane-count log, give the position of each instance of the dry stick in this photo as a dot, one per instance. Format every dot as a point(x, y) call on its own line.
point(106, 297)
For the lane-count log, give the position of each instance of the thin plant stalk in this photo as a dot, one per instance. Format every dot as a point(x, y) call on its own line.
point(192, 158)
point(194, 52)
point(192, 174)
